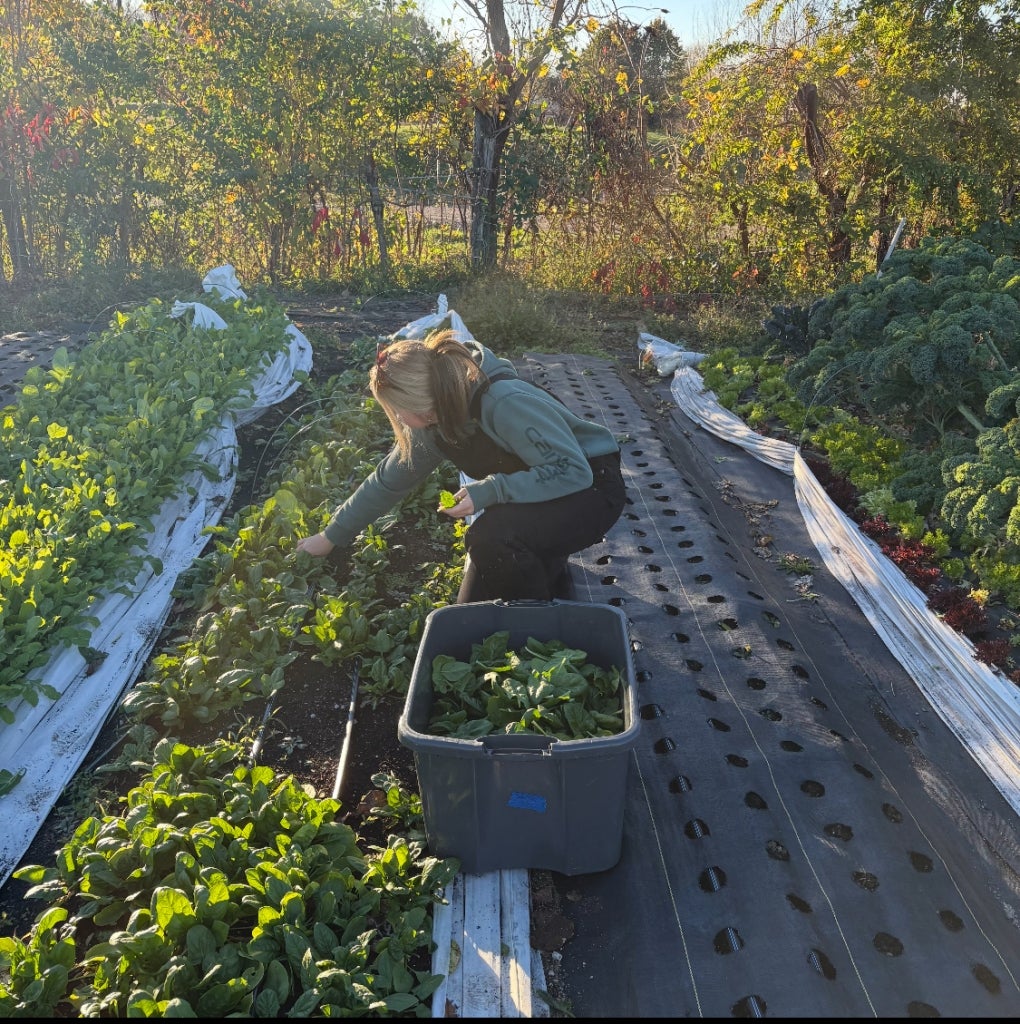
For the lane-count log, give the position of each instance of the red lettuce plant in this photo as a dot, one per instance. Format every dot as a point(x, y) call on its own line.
point(994, 652)
point(838, 487)
point(915, 559)
point(959, 610)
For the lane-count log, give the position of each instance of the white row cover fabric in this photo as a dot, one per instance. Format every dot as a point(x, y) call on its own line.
point(432, 322)
point(689, 392)
point(202, 315)
point(47, 744)
point(978, 704)
point(666, 356)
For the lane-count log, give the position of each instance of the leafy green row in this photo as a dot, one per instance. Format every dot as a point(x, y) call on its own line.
point(260, 605)
point(223, 890)
point(88, 454)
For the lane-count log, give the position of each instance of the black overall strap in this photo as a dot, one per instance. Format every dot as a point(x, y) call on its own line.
point(475, 407)
point(476, 453)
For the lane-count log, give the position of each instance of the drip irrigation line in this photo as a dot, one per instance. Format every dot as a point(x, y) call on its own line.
point(287, 419)
point(261, 735)
point(348, 732)
point(99, 758)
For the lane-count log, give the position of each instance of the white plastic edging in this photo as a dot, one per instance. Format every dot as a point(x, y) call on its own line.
point(483, 949)
point(979, 705)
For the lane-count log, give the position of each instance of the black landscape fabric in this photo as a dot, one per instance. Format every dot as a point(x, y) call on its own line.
point(803, 836)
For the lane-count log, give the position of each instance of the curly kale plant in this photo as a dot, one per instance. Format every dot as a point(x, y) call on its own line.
point(925, 346)
point(790, 327)
point(928, 351)
point(984, 494)
point(919, 472)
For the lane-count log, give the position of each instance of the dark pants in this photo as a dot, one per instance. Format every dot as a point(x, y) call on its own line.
point(518, 552)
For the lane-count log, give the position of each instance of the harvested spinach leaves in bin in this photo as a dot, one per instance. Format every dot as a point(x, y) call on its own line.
point(544, 687)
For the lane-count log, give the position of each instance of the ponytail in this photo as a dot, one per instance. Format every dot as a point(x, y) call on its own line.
point(453, 374)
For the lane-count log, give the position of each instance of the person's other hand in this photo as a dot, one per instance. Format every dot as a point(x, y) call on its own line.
point(464, 507)
point(318, 544)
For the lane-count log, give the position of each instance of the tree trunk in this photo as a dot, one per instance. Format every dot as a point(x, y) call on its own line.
point(490, 138)
point(1009, 195)
point(375, 201)
point(496, 114)
point(740, 211)
point(838, 245)
point(275, 232)
point(14, 225)
point(124, 223)
point(838, 248)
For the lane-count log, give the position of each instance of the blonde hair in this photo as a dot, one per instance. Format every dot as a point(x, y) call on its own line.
point(425, 378)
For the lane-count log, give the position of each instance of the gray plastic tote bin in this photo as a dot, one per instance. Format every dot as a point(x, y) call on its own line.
point(524, 800)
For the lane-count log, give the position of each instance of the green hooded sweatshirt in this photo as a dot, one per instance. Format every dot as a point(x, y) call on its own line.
point(552, 441)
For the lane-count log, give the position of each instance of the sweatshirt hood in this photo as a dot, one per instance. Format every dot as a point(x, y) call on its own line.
point(489, 362)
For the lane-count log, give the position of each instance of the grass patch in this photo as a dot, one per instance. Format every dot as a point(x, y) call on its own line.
point(89, 299)
point(502, 310)
point(511, 316)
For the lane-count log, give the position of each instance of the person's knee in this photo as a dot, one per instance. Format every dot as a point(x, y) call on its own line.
point(488, 545)
point(502, 557)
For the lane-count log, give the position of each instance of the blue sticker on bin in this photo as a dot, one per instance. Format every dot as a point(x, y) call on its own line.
point(527, 802)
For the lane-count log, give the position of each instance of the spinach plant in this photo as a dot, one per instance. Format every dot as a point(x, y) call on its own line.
point(225, 890)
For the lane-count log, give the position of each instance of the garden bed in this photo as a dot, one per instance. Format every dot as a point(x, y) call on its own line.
point(302, 731)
